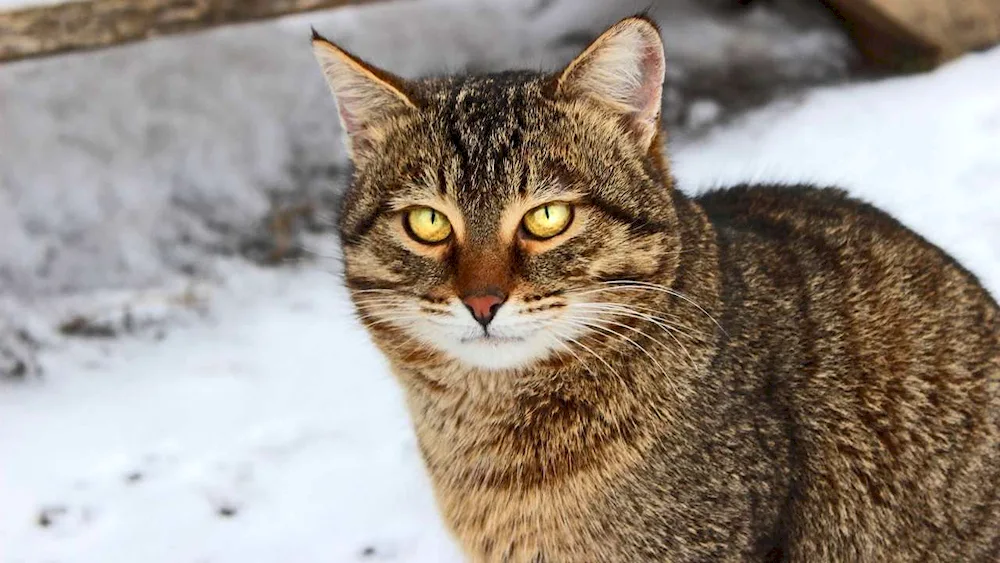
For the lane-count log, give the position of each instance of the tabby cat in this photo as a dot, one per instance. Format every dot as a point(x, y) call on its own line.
point(600, 368)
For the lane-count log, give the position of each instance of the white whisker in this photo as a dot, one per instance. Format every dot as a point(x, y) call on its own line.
point(641, 348)
point(629, 310)
point(624, 312)
point(595, 354)
point(669, 291)
point(558, 338)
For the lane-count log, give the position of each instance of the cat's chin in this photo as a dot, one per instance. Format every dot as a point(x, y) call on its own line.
point(497, 353)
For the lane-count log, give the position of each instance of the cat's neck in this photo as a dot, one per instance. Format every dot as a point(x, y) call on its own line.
point(560, 419)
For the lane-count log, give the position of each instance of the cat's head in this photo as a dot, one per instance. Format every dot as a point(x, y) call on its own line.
point(492, 218)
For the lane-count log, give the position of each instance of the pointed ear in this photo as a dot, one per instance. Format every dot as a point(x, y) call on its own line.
point(623, 68)
point(364, 94)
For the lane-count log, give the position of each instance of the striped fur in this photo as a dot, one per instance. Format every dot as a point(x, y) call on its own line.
point(769, 373)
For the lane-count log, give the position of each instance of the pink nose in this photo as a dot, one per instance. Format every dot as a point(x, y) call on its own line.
point(484, 306)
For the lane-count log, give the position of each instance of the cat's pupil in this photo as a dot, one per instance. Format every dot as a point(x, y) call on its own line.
point(546, 209)
point(433, 217)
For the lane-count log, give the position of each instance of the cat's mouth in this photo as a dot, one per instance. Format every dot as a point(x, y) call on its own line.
point(491, 339)
point(500, 349)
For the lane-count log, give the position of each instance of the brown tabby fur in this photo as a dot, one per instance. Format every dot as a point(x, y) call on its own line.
point(828, 391)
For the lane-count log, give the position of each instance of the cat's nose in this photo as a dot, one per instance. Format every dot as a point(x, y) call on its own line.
point(484, 306)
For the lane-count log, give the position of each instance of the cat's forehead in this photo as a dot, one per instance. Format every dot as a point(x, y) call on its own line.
point(473, 97)
point(487, 133)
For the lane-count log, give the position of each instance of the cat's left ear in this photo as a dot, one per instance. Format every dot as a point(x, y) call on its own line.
point(623, 68)
point(364, 94)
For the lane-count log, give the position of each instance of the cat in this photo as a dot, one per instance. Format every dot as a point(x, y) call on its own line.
point(600, 368)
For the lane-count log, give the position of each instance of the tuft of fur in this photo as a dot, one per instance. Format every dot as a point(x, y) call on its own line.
point(764, 373)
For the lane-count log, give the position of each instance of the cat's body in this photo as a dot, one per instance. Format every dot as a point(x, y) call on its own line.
point(602, 369)
point(838, 417)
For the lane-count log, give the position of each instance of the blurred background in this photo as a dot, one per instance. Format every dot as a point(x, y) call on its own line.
point(180, 375)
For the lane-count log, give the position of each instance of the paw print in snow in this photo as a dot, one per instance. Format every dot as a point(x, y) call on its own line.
point(64, 519)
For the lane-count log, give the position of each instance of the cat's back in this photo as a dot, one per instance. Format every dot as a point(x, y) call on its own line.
point(883, 353)
point(825, 231)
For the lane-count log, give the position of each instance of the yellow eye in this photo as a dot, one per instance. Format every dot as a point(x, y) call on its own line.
point(428, 225)
point(549, 220)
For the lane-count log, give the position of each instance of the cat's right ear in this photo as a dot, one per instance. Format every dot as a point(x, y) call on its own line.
point(624, 69)
point(364, 94)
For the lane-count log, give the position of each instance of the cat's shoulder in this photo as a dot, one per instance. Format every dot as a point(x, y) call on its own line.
point(826, 219)
point(808, 215)
point(787, 211)
point(761, 205)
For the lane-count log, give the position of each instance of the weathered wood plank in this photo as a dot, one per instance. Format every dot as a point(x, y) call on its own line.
point(919, 34)
point(91, 24)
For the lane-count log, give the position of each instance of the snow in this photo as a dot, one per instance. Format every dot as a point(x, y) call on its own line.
point(274, 407)
point(240, 414)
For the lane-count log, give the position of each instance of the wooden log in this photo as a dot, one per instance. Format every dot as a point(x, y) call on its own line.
point(91, 24)
point(919, 34)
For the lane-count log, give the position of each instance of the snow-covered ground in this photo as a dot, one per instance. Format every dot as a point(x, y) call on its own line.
point(260, 425)
point(265, 430)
